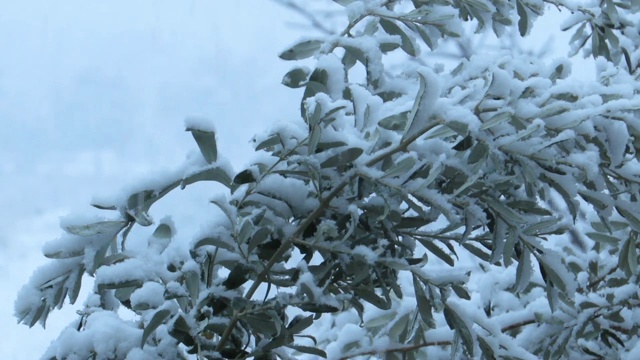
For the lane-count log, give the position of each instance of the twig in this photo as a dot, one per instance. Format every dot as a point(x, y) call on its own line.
point(594, 283)
point(313, 20)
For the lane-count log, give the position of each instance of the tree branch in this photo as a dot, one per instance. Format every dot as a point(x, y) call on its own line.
point(409, 348)
point(313, 20)
point(310, 219)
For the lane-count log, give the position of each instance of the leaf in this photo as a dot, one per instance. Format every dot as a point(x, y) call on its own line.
point(509, 247)
point(215, 241)
point(356, 53)
point(381, 320)
point(301, 50)
point(553, 275)
point(437, 251)
point(308, 350)
point(528, 206)
point(266, 324)
point(372, 298)
point(347, 156)
point(523, 271)
point(158, 318)
point(477, 251)
point(395, 122)
point(402, 167)
point(568, 199)
point(314, 119)
point(259, 237)
point(496, 119)
point(120, 285)
point(479, 151)
point(329, 113)
point(314, 139)
point(237, 276)
point(343, 2)
point(244, 177)
point(523, 21)
point(537, 228)
point(603, 238)
point(227, 209)
point(464, 144)
point(628, 258)
point(74, 289)
point(505, 212)
point(455, 322)
point(392, 28)
point(296, 77)
point(272, 140)
point(105, 207)
point(424, 307)
point(441, 132)
point(300, 323)
point(623, 209)
point(460, 128)
point(425, 37)
point(216, 174)
point(102, 227)
point(206, 141)
point(306, 290)
point(318, 308)
point(163, 231)
point(63, 253)
point(416, 104)
point(627, 60)
point(38, 314)
point(461, 292)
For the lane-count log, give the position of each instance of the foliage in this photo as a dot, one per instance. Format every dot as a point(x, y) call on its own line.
point(436, 205)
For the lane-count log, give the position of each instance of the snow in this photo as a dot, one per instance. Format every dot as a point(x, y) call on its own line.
point(296, 194)
point(151, 295)
point(105, 332)
point(133, 269)
point(199, 123)
point(335, 71)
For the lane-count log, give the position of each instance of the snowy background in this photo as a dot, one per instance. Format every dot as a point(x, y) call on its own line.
point(93, 97)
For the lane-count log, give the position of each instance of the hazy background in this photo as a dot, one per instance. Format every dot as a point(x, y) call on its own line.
point(93, 95)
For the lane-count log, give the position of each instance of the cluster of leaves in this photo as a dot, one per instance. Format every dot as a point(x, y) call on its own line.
point(392, 176)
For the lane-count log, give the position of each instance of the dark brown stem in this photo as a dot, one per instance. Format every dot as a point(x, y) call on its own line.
point(597, 281)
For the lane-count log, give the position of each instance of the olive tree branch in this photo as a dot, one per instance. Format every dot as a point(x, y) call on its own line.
point(405, 349)
point(348, 177)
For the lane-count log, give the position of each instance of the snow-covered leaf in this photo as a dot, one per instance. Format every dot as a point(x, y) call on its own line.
point(346, 156)
point(208, 174)
point(102, 227)
point(206, 141)
point(296, 77)
point(394, 122)
point(392, 28)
